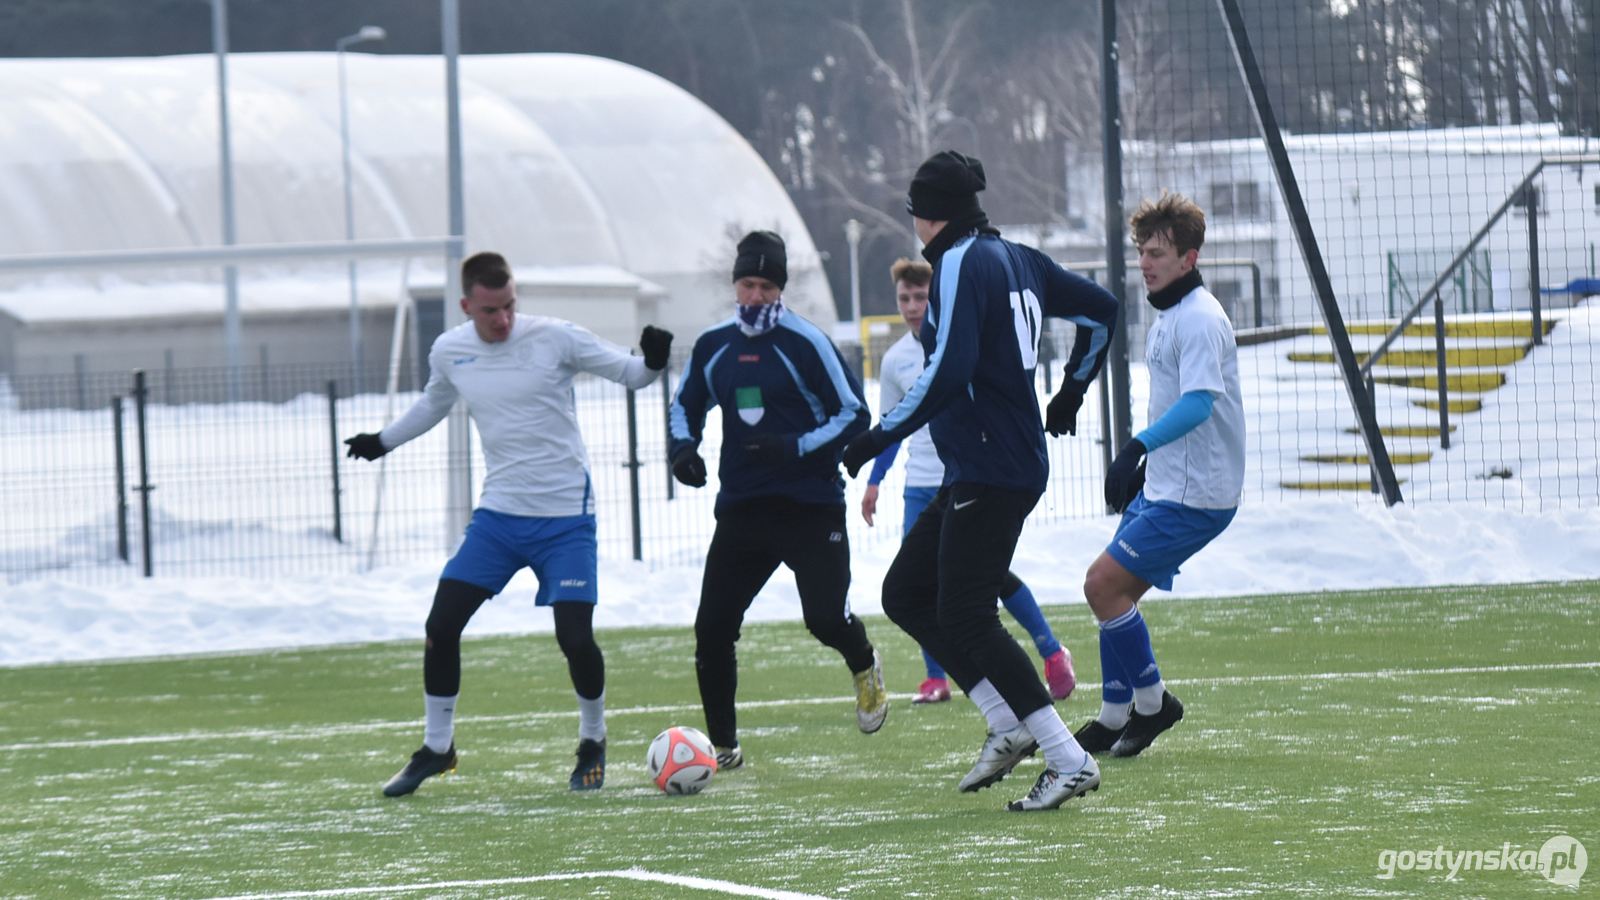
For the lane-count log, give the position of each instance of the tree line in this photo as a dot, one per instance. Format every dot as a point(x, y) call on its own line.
point(844, 97)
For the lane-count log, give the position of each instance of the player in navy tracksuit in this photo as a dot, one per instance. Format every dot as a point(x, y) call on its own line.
point(981, 335)
point(789, 405)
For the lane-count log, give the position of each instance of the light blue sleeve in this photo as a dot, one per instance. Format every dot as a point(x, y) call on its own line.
point(1179, 419)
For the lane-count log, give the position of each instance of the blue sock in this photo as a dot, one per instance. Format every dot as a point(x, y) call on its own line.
point(1130, 641)
point(1114, 687)
point(934, 671)
point(1025, 610)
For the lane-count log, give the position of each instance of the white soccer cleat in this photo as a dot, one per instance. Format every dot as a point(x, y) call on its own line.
point(729, 758)
point(1053, 788)
point(872, 701)
point(1001, 753)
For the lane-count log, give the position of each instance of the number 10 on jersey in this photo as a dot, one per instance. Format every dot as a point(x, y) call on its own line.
point(1026, 316)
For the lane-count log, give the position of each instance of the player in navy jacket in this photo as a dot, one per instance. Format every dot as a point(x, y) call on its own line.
point(789, 405)
point(981, 334)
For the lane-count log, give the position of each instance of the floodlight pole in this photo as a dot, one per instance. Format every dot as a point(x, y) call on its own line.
point(852, 235)
point(1121, 398)
point(458, 493)
point(367, 33)
point(232, 338)
point(1294, 204)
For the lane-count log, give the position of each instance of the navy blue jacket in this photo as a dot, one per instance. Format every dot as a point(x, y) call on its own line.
point(981, 335)
point(791, 382)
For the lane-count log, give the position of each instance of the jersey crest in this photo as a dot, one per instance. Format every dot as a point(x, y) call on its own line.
point(749, 403)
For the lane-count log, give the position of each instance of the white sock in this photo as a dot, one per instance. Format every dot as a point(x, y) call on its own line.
point(591, 717)
point(993, 706)
point(440, 731)
point(1147, 700)
point(1114, 715)
point(1061, 751)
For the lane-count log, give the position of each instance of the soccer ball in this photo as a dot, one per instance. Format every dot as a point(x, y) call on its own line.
point(681, 760)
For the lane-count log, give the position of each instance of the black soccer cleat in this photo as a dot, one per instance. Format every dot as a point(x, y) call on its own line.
point(424, 764)
point(590, 774)
point(1095, 738)
point(1143, 730)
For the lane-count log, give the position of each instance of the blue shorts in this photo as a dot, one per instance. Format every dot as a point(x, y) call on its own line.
point(1153, 539)
point(562, 551)
point(917, 500)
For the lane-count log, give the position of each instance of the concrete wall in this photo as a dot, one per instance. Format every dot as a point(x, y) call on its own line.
point(286, 338)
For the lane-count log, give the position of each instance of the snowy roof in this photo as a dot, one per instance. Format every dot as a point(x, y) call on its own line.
point(59, 299)
point(1516, 140)
point(569, 160)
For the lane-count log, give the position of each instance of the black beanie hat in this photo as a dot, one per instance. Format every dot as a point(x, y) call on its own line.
point(761, 254)
point(946, 187)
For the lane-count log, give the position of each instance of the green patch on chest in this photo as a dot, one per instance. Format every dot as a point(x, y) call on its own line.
point(748, 401)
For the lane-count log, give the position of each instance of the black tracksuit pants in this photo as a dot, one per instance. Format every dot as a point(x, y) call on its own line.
point(941, 587)
point(751, 540)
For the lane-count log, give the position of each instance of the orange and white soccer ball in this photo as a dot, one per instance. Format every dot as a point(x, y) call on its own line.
point(681, 760)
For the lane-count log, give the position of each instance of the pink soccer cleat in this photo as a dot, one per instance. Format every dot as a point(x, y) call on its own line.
point(1058, 674)
point(934, 690)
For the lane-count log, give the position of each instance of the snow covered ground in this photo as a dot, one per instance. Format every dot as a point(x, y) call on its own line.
point(1457, 527)
point(1293, 546)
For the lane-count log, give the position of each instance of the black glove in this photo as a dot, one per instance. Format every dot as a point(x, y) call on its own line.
point(689, 468)
point(657, 346)
point(771, 449)
point(366, 446)
point(1061, 415)
point(1125, 478)
point(862, 449)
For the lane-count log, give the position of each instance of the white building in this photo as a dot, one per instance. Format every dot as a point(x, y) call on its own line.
point(617, 196)
point(1390, 210)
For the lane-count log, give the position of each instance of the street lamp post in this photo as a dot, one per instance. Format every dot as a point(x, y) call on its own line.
point(232, 337)
point(367, 33)
point(852, 234)
point(458, 493)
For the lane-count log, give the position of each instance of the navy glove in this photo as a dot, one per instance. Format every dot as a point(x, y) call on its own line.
point(1125, 478)
point(365, 446)
point(689, 468)
point(656, 343)
point(1061, 416)
point(862, 449)
point(771, 449)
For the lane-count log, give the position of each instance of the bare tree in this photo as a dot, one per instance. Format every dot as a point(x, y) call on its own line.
point(916, 92)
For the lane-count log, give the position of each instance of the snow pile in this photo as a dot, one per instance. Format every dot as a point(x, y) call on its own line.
point(1293, 546)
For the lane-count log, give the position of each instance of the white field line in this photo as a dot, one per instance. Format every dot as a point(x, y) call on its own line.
point(325, 731)
point(635, 874)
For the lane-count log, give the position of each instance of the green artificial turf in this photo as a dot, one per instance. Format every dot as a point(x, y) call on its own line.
point(1322, 730)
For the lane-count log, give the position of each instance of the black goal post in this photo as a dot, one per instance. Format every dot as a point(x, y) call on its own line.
point(1294, 204)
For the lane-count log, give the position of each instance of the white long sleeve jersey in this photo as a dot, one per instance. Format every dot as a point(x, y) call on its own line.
point(1191, 347)
point(519, 393)
point(902, 365)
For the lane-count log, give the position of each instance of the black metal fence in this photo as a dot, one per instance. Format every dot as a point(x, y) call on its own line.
point(1446, 157)
point(1403, 196)
point(142, 486)
point(83, 389)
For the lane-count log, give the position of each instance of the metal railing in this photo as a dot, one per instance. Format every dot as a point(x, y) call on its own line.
point(1522, 195)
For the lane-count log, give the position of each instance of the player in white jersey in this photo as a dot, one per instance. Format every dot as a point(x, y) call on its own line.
point(899, 369)
point(1189, 462)
point(515, 373)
